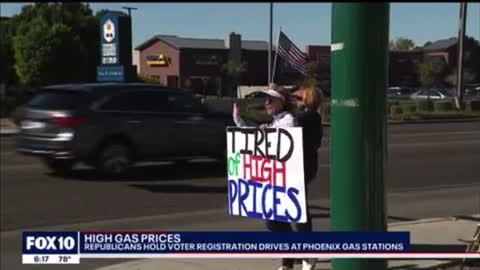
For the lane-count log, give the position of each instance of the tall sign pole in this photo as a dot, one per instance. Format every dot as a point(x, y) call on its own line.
point(270, 45)
point(115, 48)
point(461, 39)
point(129, 9)
point(358, 133)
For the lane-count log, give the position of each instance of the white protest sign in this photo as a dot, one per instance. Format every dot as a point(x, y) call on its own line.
point(265, 173)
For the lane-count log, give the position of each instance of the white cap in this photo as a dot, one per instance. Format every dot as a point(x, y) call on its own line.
point(274, 93)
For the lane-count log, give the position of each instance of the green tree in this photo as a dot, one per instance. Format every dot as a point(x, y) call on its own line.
point(101, 12)
point(7, 70)
point(468, 76)
point(426, 73)
point(234, 72)
point(472, 56)
point(402, 44)
point(311, 76)
point(55, 43)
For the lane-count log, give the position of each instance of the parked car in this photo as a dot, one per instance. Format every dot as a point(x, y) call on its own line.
point(434, 94)
point(256, 94)
point(472, 93)
point(113, 125)
point(399, 92)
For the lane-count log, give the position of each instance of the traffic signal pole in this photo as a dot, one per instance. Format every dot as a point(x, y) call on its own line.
point(358, 131)
point(461, 39)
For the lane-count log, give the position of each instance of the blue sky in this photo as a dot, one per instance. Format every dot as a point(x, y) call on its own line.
point(304, 23)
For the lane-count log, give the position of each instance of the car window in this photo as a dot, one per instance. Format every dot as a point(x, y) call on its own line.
point(434, 94)
point(118, 102)
point(153, 101)
point(186, 103)
point(58, 100)
point(422, 93)
point(139, 101)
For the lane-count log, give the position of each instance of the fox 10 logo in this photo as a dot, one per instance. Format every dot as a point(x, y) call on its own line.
point(50, 243)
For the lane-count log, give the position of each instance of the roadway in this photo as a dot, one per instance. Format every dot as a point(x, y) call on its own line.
point(432, 171)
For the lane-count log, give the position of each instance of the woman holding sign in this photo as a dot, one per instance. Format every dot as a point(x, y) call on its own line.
point(277, 104)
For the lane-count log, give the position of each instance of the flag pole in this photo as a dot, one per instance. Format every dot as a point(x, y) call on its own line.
point(270, 45)
point(276, 55)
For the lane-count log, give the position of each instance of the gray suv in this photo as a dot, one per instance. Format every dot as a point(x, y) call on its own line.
point(113, 125)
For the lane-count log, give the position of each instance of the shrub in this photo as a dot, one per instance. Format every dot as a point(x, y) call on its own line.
point(17, 115)
point(8, 104)
point(391, 103)
point(409, 107)
point(475, 105)
point(424, 105)
point(396, 110)
point(326, 112)
point(444, 106)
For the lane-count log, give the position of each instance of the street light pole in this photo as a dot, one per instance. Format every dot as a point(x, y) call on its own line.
point(129, 9)
point(461, 39)
point(358, 131)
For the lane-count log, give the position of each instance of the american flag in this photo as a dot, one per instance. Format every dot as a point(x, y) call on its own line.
point(291, 53)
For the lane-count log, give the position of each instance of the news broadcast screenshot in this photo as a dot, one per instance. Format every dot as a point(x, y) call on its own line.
point(248, 135)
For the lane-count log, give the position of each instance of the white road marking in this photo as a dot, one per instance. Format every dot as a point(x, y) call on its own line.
point(433, 143)
point(435, 134)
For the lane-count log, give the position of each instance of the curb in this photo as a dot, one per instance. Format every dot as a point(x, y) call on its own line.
point(8, 132)
point(149, 264)
point(435, 121)
point(422, 221)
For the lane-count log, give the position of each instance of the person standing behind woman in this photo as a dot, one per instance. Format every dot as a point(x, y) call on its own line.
point(307, 102)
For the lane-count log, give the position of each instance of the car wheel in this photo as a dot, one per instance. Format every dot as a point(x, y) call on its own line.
point(59, 166)
point(114, 159)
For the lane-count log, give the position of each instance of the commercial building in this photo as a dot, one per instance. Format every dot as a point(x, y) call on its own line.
point(201, 64)
point(445, 49)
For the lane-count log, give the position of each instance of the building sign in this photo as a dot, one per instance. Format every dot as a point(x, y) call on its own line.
point(108, 73)
point(158, 60)
point(207, 60)
point(115, 46)
point(109, 31)
point(109, 40)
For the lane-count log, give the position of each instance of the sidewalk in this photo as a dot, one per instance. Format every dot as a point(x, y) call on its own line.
point(7, 127)
point(428, 234)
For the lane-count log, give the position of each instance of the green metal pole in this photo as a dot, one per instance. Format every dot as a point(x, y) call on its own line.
point(358, 132)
